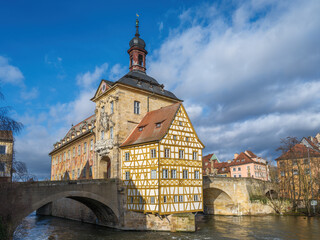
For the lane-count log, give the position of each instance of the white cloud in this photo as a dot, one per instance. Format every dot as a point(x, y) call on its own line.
point(88, 78)
point(117, 71)
point(29, 95)
point(9, 73)
point(255, 75)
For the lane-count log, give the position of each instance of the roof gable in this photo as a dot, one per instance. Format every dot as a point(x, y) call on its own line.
point(103, 87)
point(148, 131)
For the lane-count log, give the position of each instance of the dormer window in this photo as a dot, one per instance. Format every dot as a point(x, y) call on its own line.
point(158, 124)
point(140, 129)
point(140, 59)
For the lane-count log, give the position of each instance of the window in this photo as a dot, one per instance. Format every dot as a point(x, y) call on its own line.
point(181, 198)
point(136, 107)
point(180, 123)
point(166, 152)
point(2, 167)
point(196, 198)
point(91, 144)
point(185, 174)
point(152, 200)
point(79, 150)
point(307, 171)
point(68, 154)
point(164, 199)
point(176, 198)
point(140, 59)
point(90, 171)
point(239, 168)
point(2, 149)
point(174, 173)
point(187, 139)
point(153, 174)
point(131, 199)
point(158, 125)
point(127, 175)
point(64, 156)
point(196, 175)
point(84, 172)
point(127, 156)
point(74, 152)
point(306, 161)
point(60, 159)
point(85, 147)
point(72, 174)
point(181, 153)
point(295, 172)
point(111, 132)
point(140, 129)
point(239, 175)
point(165, 173)
point(234, 169)
point(174, 137)
point(153, 153)
point(140, 200)
point(131, 61)
point(111, 107)
point(78, 172)
point(102, 135)
point(194, 155)
point(234, 175)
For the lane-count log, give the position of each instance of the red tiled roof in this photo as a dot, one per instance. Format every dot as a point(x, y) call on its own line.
point(207, 157)
point(221, 165)
point(299, 151)
point(251, 154)
point(311, 143)
point(150, 132)
point(78, 125)
point(242, 158)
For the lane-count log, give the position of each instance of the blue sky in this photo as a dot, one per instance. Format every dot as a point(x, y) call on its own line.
point(247, 70)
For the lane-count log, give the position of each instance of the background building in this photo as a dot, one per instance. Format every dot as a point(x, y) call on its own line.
point(245, 164)
point(6, 156)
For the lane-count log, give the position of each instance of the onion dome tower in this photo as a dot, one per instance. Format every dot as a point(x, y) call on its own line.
point(137, 52)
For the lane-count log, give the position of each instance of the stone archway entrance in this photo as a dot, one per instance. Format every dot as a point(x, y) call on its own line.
point(105, 167)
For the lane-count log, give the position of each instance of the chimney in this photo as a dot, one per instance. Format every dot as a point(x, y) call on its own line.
point(236, 155)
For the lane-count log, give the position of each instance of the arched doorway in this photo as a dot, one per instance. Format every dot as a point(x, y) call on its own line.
point(105, 168)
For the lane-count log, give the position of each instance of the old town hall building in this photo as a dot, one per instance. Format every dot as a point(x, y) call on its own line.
point(139, 133)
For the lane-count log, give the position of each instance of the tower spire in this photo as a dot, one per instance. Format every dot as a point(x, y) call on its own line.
point(137, 51)
point(137, 26)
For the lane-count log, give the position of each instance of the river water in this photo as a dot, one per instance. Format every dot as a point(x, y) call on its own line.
point(210, 227)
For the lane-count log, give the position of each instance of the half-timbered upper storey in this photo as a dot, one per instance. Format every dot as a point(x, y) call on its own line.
point(162, 162)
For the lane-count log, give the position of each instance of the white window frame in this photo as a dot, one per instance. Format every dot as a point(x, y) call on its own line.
point(127, 175)
point(180, 198)
point(196, 198)
point(91, 144)
point(153, 153)
point(185, 174)
point(153, 174)
point(167, 152)
point(181, 154)
point(85, 147)
point(152, 200)
point(173, 173)
point(176, 198)
point(127, 156)
point(194, 155)
point(136, 107)
point(165, 199)
point(164, 173)
point(196, 175)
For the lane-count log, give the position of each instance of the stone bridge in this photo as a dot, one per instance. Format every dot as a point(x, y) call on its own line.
point(232, 196)
point(103, 197)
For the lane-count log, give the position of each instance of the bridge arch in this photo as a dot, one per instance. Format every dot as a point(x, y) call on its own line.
point(218, 201)
point(104, 208)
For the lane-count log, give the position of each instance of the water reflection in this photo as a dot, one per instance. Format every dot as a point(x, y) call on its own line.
point(210, 227)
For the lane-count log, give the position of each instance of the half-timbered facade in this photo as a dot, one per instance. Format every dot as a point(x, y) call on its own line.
point(162, 163)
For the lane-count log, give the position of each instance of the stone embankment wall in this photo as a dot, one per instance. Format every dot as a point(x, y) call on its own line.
point(73, 210)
